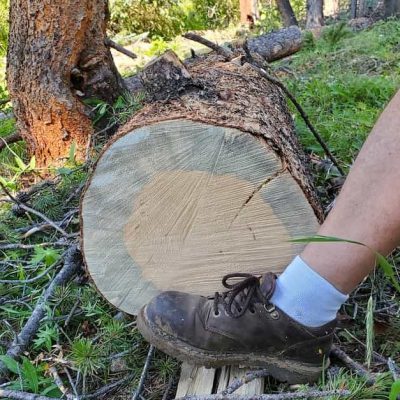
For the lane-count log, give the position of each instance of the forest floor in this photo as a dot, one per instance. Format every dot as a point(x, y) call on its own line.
point(343, 80)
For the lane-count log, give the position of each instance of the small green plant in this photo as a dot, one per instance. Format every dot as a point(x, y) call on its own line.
point(86, 356)
point(334, 34)
point(46, 255)
point(30, 377)
point(46, 337)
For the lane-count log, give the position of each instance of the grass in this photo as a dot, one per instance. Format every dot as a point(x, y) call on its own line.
point(343, 81)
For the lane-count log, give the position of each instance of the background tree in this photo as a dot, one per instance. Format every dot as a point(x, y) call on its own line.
point(392, 8)
point(249, 11)
point(315, 14)
point(56, 57)
point(286, 12)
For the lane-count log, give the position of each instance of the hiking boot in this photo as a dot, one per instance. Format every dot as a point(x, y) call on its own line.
point(237, 327)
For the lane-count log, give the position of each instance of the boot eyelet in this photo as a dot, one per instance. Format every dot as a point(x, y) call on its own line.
point(216, 314)
point(269, 308)
point(274, 314)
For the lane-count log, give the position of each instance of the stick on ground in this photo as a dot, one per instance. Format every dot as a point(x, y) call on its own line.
point(278, 396)
point(138, 391)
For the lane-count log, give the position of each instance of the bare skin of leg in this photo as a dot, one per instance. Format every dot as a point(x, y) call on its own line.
point(367, 209)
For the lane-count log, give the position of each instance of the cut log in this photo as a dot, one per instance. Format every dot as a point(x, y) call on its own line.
point(276, 45)
point(206, 181)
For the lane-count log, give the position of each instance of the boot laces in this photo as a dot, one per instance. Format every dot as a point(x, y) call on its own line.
point(240, 296)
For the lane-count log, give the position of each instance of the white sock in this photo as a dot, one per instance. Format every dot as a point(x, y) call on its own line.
point(306, 296)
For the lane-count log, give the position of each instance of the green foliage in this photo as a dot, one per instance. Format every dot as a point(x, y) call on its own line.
point(46, 255)
point(395, 391)
point(169, 18)
point(86, 356)
point(4, 5)
point(46, 337)
point(335, 33)
point(270, 18)
point(31, 378)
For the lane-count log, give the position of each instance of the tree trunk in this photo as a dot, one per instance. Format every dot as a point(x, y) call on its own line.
point(392, 8)
point(287, 14)
point(207, 180)
point(276, 45)
point(315, 14)
point(331, 8)
point(249, 12)
point(56, 57)
point(353, 9)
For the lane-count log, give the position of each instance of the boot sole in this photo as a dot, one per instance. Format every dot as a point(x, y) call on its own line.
point(284, 370)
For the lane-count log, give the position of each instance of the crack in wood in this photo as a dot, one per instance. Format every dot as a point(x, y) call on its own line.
point(256, 190)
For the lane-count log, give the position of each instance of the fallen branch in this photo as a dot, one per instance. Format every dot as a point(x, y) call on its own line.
point(352, 365)
point(106, 389)
point(72, 263)
point(15, 137)
point(16, 395)
point(278, 396)
point(31, 280)
point(110, 43)
point(227, 54)
point(21, 246)
point(248, 377)
point(33, 211)
point(138, 391)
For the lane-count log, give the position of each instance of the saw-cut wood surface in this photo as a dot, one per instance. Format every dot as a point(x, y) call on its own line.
point(178, 204)
point(201, 381)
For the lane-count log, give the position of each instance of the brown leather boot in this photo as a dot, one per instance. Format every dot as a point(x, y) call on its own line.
point(237, 327)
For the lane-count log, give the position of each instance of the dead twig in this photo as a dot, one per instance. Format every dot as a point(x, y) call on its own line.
point(60, 384)
point(110, 43)
point(33, 211)
point(108, 388)
point(15, 137)
point(394, 369)
point(248, 377)
point(168, 389)
point(17, 395)
point(31, 280)
point(301, 111)
point(227, 54)
point(21, 246)
point(278, 396)
point(138, 391)
point(352, 365)
point(72, 262)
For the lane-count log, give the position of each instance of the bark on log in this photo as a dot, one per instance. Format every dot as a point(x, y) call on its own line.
point(56, 49)
point(276, 45)
point(207, 180)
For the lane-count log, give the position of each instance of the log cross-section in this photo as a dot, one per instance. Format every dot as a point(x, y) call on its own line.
point(206, 182)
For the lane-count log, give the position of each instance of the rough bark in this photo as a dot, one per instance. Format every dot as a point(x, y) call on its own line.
point(315, 14)
point(276, 45)
point(56, 57)
point(248, 12)
point(287, 14)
